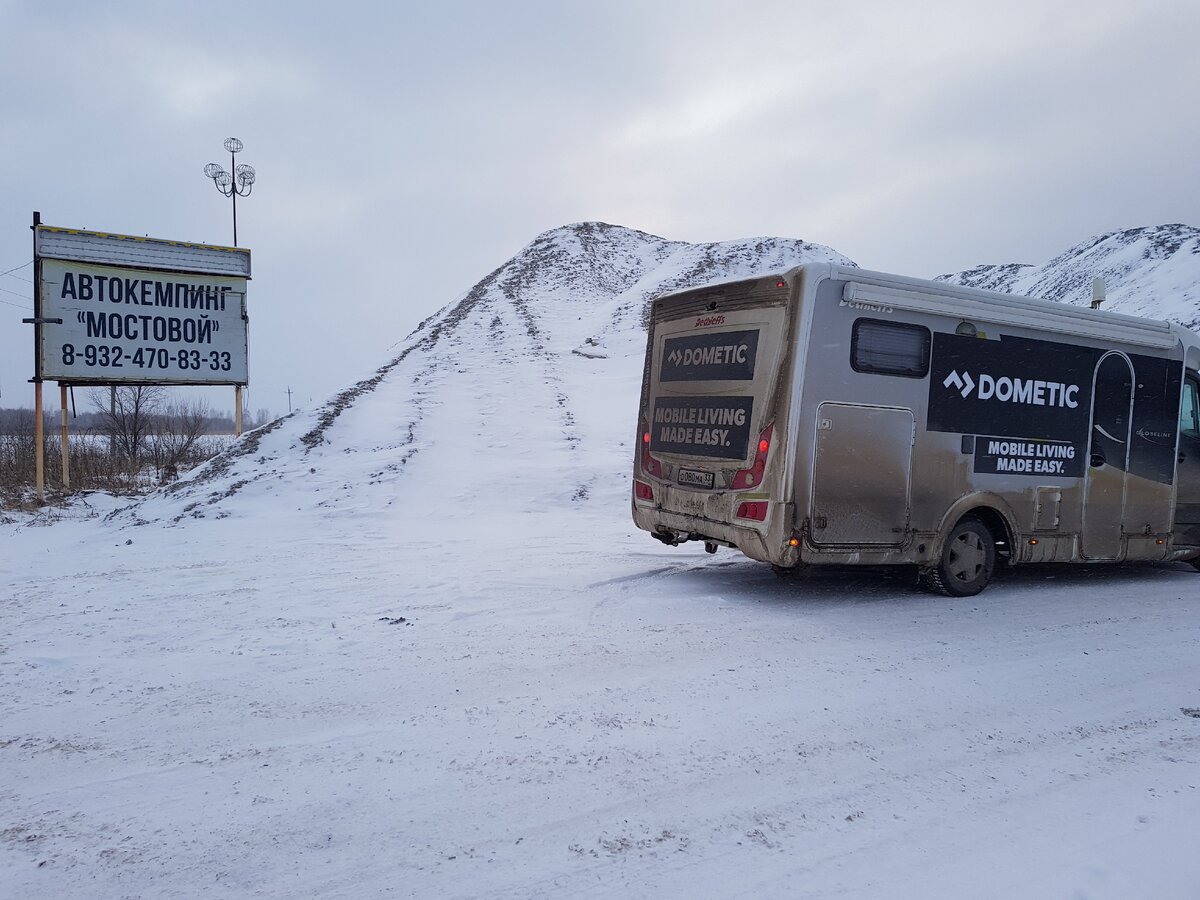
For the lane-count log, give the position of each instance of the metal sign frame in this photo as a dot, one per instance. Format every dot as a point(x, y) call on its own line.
point(134, 310)
point(120, 309)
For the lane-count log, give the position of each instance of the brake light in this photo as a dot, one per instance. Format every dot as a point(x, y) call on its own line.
point(650, 465)
point(643, 491)
point(753, 476)
point(756, 510)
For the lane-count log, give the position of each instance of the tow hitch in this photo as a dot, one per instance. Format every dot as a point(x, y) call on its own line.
point(670, 538)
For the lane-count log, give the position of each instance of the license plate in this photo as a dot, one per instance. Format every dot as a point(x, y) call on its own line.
point(695, 478)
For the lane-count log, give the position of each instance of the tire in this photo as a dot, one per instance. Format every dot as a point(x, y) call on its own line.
point(968, 561)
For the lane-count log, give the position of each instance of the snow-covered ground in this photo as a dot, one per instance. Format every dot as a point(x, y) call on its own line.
point(409, 644)
point(421, 701)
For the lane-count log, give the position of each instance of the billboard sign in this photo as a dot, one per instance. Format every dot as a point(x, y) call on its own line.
point(117, 309)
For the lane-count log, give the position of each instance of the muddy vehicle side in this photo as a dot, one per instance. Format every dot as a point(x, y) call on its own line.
point(830, 415)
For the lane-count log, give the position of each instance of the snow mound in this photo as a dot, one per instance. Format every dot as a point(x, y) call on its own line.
point(523, 391)
point(520, 395)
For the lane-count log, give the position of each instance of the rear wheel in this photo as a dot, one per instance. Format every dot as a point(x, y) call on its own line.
point(967, 563)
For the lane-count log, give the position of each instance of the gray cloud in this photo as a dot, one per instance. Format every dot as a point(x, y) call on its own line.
point(404, 150)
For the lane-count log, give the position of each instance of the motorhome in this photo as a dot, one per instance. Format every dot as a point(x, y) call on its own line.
point(832, 415)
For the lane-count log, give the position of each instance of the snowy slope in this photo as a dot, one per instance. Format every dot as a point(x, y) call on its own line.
point(1152, 272)
point(408, 644)
point(537, 366)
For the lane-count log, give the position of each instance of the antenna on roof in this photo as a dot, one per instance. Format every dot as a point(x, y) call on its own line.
point(1097, 292)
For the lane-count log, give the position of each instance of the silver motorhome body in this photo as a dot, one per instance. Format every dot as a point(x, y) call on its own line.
point(835, 415)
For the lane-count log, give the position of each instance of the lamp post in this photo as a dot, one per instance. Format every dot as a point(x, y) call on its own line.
point(237, 183)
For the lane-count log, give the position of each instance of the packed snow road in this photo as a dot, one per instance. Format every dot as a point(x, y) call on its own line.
point(386, 707)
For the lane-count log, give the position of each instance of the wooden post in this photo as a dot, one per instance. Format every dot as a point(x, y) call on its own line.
point(39, 442)
point(237, 413)
point(38, 425)
point(66, 455)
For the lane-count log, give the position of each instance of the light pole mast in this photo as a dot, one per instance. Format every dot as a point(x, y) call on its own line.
point(238, 182)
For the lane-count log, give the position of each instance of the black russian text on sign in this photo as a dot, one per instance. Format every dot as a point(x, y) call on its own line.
point(716, 427)
point(711, 356)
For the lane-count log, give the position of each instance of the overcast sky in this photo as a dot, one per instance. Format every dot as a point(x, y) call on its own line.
point(405, 150)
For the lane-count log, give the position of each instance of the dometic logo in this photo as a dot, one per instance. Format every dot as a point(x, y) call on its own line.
point(708, 356)
point(1015, 390)
point(705, 321)
point(865, 307)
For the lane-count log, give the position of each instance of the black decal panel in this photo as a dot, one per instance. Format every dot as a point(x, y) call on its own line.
point(1155, 418)
point(1041, 393)
point(710, 356)
point(1013, 387)
point(717, 427)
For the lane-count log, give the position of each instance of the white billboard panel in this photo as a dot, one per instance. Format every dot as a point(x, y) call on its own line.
point(140, 310)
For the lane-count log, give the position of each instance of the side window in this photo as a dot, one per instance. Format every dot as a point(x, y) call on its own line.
point(889, 348)
point(1189, 409)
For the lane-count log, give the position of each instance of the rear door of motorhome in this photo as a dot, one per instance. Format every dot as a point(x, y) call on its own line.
point(712, 398)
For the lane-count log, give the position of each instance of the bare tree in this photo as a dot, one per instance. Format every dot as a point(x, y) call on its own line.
point(18, 452)
point(258, 418)
point(127, 416)
point(177, 436)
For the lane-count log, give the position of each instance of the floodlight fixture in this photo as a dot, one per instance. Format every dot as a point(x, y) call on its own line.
point(238, 184)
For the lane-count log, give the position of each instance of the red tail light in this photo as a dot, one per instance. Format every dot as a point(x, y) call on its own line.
point(650, 465)
point(752, 477)
point(643, 491)
point(756, 509)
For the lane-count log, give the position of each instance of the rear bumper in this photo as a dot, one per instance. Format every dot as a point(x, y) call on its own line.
point(765, 541)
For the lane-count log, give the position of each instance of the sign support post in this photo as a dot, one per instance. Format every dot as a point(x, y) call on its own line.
point(66, 454)
point(38, 436)
point(39, 440)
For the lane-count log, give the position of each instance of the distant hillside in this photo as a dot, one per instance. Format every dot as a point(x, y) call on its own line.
point(1152, 271)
